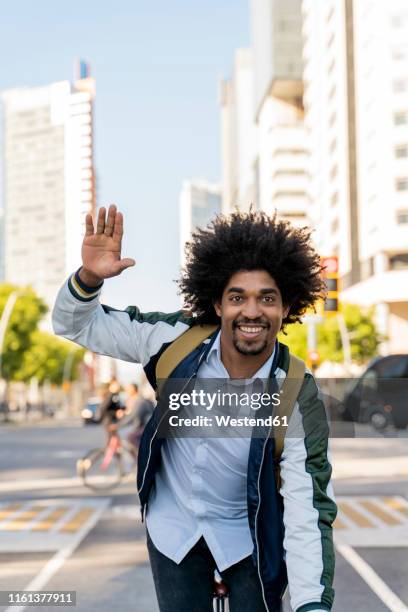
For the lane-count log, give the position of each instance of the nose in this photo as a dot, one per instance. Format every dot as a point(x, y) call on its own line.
point(251, 309)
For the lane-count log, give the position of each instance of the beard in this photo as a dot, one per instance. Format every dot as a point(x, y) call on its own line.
point(249, 347)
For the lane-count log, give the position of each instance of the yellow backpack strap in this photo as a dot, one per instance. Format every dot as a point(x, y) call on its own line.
point(288, 395)
point(180, 348)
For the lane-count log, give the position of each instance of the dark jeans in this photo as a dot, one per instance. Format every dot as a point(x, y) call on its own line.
point(188, 586)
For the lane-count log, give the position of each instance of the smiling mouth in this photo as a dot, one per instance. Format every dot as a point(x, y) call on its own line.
point(251, 331)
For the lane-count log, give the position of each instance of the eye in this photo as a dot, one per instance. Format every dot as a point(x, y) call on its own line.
point(269, 298)
point(236, 298)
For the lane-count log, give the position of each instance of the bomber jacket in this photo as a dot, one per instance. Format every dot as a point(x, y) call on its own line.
point(291, 528)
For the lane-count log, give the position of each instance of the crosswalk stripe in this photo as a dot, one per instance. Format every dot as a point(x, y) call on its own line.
point(360, 519)
point(22, 519)
point(50, 520)
point(379, 512)
point(396, 504)
point(338, 524)
point(9, 510)
point(77, 520)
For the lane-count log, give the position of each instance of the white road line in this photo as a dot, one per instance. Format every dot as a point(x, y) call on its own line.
point(51, 483)
point(58, 560)
point(376, 584)
point(40, 483)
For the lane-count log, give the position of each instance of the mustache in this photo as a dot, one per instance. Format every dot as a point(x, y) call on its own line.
point(259, 321)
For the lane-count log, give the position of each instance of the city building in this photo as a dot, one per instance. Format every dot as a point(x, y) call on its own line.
point(282, 160)
point(48, 180)
point(238, 135)
point(264, 152)
point(200, 201)
point(356, 113)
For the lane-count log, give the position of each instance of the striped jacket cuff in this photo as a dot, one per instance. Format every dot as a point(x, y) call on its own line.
point(80, 291)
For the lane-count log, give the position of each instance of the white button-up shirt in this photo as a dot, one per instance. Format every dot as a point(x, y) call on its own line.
point(201, 488)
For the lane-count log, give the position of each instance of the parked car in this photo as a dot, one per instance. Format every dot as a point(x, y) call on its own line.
point(91, 413)
point(380, 395)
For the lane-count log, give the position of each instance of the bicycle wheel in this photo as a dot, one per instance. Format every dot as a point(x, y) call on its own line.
point(99, 471)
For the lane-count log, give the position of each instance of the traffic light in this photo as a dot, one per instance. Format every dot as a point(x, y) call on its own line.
point(330, 267)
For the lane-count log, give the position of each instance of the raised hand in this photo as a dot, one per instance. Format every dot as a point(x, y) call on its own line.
point(101, 250)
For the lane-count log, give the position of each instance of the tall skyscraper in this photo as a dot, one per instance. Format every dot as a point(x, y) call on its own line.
point(48, 180)
point(282, 163)
point(200, 201)
point(356, 86)
point(238, 135)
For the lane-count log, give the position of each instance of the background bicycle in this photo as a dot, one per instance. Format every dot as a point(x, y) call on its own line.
point(105, 468)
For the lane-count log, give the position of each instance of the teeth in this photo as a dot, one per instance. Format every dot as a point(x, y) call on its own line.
point(250, 330)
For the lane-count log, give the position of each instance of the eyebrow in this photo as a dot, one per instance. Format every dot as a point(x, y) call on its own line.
point(263, 291)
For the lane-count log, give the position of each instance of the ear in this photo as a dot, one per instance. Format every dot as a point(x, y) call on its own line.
point(217, 307)
point(285, 312)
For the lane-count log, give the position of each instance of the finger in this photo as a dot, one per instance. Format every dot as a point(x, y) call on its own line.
point(110, 222)
point(101, 221)
point(123, 264)
point(118, 228)
point(89, 227)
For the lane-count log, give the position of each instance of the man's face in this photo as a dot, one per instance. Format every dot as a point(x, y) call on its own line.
point(251, 312)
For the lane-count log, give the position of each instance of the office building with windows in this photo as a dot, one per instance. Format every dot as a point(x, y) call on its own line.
point(48, 180)
point(356, 112)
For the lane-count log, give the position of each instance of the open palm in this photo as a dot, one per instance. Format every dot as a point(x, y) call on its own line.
point(101, 250)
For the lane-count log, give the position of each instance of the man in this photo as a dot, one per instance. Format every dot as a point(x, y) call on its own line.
point(214, 503)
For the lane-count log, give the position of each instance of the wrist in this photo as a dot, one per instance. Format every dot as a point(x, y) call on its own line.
point(89, 278)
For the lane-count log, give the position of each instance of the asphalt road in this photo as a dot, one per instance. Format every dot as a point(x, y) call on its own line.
point(97, 544)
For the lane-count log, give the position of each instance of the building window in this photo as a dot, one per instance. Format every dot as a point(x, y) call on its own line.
point(402, 217)
point(401, 118)
point(334, 198)
point(399, 54)
point(401, 151)
point(400, 85)
point(399, 262)
point(333, 172)
point(401, 184)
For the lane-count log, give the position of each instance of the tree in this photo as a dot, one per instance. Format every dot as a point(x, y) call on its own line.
point(28, 310)
point(364, 337)
point(47, 358)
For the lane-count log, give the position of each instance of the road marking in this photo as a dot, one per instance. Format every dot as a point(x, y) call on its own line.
point(396, 504)
point(358, 518)
point(51, 519)
point(19, 520)
point(46, 524)
point(51, 483)
point(372, 521)
point(9, 510)
point(378, 511)
point(376, 584)
point(77, 521)
point(58, 560)
point(377, 467)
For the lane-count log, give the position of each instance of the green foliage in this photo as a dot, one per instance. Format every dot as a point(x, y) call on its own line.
point(47, 357)
point(29, 352)
point(364, 337)
point(295, 337)
point(28, 310)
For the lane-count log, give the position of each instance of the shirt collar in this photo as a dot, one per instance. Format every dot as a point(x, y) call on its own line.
point(263, 371)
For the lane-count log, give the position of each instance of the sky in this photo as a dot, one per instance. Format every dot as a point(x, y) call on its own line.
point(157, 66)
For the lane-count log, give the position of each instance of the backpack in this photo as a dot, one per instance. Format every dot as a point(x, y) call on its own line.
point(193, 337)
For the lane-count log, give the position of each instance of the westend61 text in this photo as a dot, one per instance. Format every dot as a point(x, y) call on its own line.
point(227, 421)
point(221, 398)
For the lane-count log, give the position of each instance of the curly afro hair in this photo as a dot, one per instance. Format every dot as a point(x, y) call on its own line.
point(251, 241)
